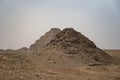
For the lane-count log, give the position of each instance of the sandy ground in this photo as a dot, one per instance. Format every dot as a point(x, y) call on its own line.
point(15, 67)
point(115, 53)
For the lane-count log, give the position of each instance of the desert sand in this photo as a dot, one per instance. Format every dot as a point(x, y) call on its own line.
point(60, 55)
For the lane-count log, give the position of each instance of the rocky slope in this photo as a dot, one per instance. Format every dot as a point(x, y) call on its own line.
point(71, 48)
point(44, 39)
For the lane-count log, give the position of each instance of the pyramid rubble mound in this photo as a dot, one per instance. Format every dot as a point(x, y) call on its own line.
point(45, 39)
point(69, 47)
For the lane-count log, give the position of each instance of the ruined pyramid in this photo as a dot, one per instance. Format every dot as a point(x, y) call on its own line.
point(45, 39)
point(68, 48)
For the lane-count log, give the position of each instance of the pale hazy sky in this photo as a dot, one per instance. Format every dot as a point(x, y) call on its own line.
point(24, 21)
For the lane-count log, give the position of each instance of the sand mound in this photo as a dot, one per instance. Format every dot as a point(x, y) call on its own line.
point(69, 47)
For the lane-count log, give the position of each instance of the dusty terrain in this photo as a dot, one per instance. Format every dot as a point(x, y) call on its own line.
point(14, 67)
point(67, 56)
point(114, 53)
